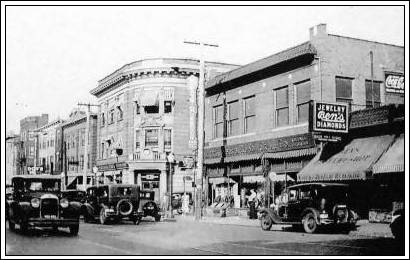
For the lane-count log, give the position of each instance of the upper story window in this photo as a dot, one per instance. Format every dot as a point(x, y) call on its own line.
point(111, 116)
point(233, 118)
point(137, 108)
point(137, 139)
point(249, 114)
point(372, 93)
point(151, 109)
point(151, 137)
point(82, 137)
point(167, 107)
point(218, 121)
point(282, 107)
point(344, 90)
point(303, 100)
point(102, 150)
point(102, 119)
point(120, 113)
point(167, 139)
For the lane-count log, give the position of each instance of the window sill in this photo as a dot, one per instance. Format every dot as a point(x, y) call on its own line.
point(290, 126)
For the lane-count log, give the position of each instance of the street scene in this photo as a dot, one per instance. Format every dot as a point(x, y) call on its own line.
point(128, 136)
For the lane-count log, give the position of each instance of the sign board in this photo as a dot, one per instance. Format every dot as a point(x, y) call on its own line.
point(327, 137)
point(187, 178)
point(149, 177)
point(330, 117)
point(394, 82)
point(188, 162)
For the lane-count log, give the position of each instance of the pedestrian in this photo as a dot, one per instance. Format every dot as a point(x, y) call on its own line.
point(252, 207)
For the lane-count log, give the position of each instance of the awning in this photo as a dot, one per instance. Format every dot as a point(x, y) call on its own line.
point(149, 97)
point(279, 177)
point(393, 159)
point(220, 180)
point(243, 157)
point(291, 154)
point(253, 179)
point(353, 163)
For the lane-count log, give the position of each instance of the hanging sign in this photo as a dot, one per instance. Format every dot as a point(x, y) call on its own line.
point(330, 117)
point(394, 82)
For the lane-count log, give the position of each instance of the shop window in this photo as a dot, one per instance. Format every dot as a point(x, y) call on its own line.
point(282, 107)
point(249, 114)
point(111, 116)
point(233, 118)
point(151, 109)
point(151, 137)
point(167, 107)
point(344, 90)
point(120, 113)
point(167, 139)
point(372, 93)
point(303, 99)
point(102, 119)
point(137, 139)
point(218, 121)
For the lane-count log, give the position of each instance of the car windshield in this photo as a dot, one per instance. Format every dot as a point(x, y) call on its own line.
point(42, 185)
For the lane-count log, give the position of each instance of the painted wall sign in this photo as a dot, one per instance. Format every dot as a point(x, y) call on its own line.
point(394, 82)
point(330, 117)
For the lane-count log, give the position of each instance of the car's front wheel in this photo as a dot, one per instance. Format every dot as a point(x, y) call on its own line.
point(309, 223)
point(266, 222)
point(74, 229)
point(103, 217)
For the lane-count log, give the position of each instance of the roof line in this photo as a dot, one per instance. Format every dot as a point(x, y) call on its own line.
point(358, 39)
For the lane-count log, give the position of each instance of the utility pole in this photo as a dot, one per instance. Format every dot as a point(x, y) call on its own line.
point(371, 76)
point(87, 132)
point(200, 128)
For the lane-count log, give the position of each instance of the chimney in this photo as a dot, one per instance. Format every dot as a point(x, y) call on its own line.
point(318, 31)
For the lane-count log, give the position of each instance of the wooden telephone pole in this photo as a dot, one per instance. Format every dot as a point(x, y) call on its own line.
point(200, 127)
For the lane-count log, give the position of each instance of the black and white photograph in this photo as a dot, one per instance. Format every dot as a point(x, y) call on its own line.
point(204, 130)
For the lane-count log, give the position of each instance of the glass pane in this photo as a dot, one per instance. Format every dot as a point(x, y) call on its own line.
point(233, 110)
point(234, 128)
point(218, 130)
point(303, 113)
point(218, 114)
point(375, 90)
point(250, 124)
point(303, 92)
point(343, 87)
point(151, 137)
point(282, 117)
point(282, 97)
point(249, 106)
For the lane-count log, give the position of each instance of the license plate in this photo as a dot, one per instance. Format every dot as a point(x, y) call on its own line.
point(50, 216)
point(324, 216)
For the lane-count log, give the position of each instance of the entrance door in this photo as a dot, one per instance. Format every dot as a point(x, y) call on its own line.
point(150, 181)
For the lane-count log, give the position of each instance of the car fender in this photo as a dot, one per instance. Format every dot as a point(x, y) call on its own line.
point(310, 210)
point(272, 215)
point(75, 205)
point(87, 209)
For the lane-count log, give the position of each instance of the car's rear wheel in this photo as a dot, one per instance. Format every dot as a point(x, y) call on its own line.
point(74, 229)
point(103, 217)
point(309, 223)
point(266, 222)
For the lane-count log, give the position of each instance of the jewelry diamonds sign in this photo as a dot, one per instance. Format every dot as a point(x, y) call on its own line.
point(330, 117)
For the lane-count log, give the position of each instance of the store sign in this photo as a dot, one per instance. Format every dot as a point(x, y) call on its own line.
point(327, 137)
point(149, 177)
point(394, 82)
point(330, 117)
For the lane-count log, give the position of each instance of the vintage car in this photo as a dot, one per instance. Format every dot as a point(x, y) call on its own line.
point(311, 205)
point(112, 202)
point(397, 224)
point(74, 195)
point(35, 202)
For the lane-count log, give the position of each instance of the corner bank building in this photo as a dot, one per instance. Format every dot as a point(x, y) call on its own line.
point(269, 119)
point(147, 111)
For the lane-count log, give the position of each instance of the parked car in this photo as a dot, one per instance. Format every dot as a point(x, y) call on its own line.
point(114, 202)
point(74, 195)
point(35, 202)
point(397, 224)
point(9, 197)
point(311, 205)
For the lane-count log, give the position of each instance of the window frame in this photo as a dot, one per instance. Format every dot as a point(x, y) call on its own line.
point(247, 116)
point(214, 119)
point(369, 101)
point(230, 120)
point(168, 148)
point(278, 109)
point(148, 144)
point(306, 102)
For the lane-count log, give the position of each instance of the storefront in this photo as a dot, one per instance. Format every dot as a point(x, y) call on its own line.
point(111, 173)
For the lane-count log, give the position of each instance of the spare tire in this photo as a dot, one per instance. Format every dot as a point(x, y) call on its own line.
point(124, 207)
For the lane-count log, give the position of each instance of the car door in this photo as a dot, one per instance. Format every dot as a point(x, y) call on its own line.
point(92, 199)
point(293, 205)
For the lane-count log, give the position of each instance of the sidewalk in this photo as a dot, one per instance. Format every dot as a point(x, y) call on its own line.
point(364, 228)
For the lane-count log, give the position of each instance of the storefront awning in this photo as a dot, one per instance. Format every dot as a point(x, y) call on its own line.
point(220, 180)
point(253, 179)
point(279, 177)
point(354, 162)
point(243, 157)
point(149, 97)
point(291, 154)
point(393, 159)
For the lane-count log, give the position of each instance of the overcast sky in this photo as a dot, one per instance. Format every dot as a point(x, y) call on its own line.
point(56, 55)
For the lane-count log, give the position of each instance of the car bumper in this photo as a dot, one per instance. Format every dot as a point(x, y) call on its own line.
point(43, 222)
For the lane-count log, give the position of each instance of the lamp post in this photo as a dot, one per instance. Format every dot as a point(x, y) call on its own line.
point(171, 162)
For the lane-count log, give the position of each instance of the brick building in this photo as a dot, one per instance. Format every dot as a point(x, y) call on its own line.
point(258, 118)
point(13, 148)
point(47, 149)
point(78, 156)
point(145, 115)
point(29, 151)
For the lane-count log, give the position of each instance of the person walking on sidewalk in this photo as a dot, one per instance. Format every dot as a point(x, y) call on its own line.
point(252, 206)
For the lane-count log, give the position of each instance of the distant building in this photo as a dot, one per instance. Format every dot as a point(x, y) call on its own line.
point(147, 111)
point(78, 156)
point(48, 154)
point(13, 148)
point(29, 144)
point(258, 117)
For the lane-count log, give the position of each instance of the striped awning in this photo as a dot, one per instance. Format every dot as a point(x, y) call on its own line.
point(291, 154)
point(253, 179)
point(220, 180)
point(354, 162)
point(393, 159)
point(243, 157)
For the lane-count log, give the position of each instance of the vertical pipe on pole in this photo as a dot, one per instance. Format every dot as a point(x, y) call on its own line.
point(371, 76)
point(85, 161)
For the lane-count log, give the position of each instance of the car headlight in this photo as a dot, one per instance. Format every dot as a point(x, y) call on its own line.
point(64, 203)
point(35, 203)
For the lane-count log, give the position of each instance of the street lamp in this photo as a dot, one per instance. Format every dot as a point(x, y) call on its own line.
point(171, 161)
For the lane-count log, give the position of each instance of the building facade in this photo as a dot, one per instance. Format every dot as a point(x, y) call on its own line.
point(48, 153)
point(259, 117)
point(13, 148)
point(78, 152)
point(29, 151)
point(145, 115)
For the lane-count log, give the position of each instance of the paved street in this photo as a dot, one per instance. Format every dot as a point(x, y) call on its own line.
point(188, 237)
